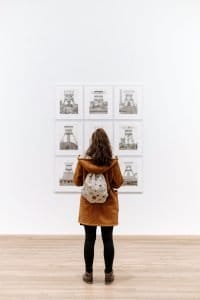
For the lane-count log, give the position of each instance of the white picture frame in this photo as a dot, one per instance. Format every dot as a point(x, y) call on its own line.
point(68, 138)
point(98, 102)
point(90, 126)
point(69, 101)
point(132, 172)
point(128, 138)
point(64, 171)
point(128, 102)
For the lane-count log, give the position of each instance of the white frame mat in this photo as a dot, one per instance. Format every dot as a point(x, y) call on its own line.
point(128, 138)
point(64, 171)
point(132, 172)
point(68, 138)
point(69, 102)
point(98, 102)
point(128, 102)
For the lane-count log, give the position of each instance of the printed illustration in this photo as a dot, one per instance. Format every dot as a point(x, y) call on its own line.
point(131, 168)
point(128, 102)
point(128, 137)
point(64, 170)
point(69, 102)
point(98, 102)
point(68, 138)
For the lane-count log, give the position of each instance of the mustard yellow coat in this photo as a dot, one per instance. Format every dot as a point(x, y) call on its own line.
point(104, 214)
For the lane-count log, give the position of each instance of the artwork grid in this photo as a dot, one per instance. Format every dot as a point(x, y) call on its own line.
point(120, 120)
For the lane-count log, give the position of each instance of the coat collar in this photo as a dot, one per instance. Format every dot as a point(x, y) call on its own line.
point(89, 166)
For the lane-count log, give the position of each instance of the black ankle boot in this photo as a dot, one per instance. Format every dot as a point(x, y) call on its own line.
point(88, 277)
point(109, 277)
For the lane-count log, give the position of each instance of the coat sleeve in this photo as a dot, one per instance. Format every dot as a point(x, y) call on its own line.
point(78, 175)
point(117, 178)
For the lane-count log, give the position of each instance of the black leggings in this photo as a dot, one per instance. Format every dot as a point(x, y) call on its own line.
point(90, 237)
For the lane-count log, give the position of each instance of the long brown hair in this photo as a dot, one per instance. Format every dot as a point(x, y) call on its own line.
point(100, 149)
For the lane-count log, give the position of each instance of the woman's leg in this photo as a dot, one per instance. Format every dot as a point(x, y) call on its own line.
point(107, 237)
point(90, 237)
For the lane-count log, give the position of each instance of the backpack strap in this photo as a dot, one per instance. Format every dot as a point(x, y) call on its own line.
point(107, 181)
point(84, 174)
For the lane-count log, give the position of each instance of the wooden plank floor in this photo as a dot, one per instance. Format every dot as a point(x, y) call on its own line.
point(146, 267)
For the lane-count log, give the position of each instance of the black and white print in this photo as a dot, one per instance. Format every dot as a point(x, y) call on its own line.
point(128, 102)
point(131, 168)
point(64, 171)
point(98, 102)
point(69, 102)
point(128, 138)
point(68, 138)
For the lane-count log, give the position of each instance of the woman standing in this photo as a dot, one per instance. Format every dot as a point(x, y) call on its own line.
point(99, 159)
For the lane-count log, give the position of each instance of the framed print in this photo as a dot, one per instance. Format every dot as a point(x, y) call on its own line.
point(98, 102)
point(69, 102)
point(64, 171)
point(132, 172)
point(68, 138)
point(128, 137)
point(128, 102)
point(91, 126)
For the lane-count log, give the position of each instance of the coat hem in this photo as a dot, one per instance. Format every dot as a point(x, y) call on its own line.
point(102, 225)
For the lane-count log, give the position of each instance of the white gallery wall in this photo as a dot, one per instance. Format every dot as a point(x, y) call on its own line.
point(153, 42)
